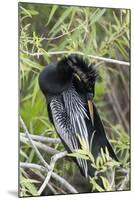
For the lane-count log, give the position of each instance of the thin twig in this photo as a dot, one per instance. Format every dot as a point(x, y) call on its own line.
point(41, 146)
point(49, 168)
point(42, 177)
point(58, 178)
point(52, 188)
point(57, 37)
point(52, 164)
point(43, 139)
point(33, 145)
point(59, 189)
point(107, 60)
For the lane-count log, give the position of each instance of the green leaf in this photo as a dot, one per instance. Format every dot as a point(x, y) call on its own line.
point(25, 11)
point(28, 184)
point(99, 162)
point(106, 184)
point(72, 17)
point(78, 155)
point(100, 88)
point(35, 91)
point(22, 153)
point(94, 165)
point(91, 157)
point(53, 10)
point(80, 151)
point(103, 155)
point(33, 12)
point(96, 185)
point(96, 16)
point(112, 163)
point(28, 12)
point(107, 154)
point(61, 20)
point(25, 180)
point(117, 20)
point(31, 64)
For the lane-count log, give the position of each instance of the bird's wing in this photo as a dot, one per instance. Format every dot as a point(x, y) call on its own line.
point(100, 138)
point(94, 125)
point(68, 117)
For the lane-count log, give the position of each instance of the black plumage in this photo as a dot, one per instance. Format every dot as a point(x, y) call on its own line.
point(68, 86)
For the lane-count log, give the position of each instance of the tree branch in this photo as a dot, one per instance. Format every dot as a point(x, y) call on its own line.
point(43, 139)
point(52, 189)
point(52, 164)
point(62, 181)
point(41, 146)
point(107, 60)
point(49, 168)
point(33, 144)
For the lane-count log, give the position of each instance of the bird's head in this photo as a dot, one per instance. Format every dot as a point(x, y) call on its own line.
point(57, 77)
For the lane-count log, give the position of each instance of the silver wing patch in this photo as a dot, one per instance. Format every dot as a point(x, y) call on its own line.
point(68, 114)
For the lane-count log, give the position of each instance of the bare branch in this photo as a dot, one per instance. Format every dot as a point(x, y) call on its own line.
point(49, 168)
point(41, 146)
point(52, 188)
point(58, 178)
point(41, 176)
point(33, 144)
point(52, 164)
point(43, 139)
point(107, 60)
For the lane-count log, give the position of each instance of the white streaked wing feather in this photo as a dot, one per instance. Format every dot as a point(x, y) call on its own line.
point(69, 121)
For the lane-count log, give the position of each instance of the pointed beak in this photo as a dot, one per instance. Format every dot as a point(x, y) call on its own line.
point(90, 107)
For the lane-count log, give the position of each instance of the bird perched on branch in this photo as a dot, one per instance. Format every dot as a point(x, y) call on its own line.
point(69, 88)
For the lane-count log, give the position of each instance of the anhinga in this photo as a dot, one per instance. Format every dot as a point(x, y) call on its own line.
point(68, 86)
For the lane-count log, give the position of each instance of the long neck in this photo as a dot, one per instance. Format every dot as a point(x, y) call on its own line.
point(54, 79)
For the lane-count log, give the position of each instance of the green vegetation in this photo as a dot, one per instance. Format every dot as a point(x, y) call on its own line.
point(47, 33)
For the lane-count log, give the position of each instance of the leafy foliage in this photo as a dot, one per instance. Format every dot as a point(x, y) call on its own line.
point(102, 164)
point(47, 33)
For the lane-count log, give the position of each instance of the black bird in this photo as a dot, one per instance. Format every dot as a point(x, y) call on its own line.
point(68, 86)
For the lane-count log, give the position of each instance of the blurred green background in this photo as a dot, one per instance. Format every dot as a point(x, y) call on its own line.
point(48, 33)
